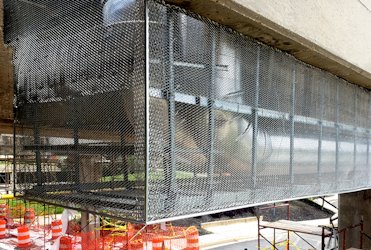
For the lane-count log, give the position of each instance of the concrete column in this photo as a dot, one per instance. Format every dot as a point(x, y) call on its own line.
point(89, 225)
point(353, 207)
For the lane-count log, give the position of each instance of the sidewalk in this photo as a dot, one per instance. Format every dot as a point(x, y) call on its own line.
point(229, 232)
point(240, 230)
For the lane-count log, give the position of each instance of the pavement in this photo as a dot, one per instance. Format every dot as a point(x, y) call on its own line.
point(229, 232)
point(237, 233)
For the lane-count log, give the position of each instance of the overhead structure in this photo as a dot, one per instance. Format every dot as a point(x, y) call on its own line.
point(146, 112)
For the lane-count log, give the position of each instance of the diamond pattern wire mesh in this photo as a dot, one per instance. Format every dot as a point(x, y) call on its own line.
point(235, 123)
point(80, 94)
point(231, 122)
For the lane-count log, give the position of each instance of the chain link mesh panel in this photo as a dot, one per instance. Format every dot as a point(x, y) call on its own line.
point(232, 122)
point(235, 123)
point(80, 78)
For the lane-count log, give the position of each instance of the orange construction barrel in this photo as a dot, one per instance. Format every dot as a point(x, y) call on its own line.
point(2, 228)
point(24, 240)
point(29, 216)
point(56, 229)
point(136, 245)
point(157, 243)
point(192, 237)
point(65, 243)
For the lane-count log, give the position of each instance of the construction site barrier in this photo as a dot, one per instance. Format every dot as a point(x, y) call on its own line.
point(136, 245)
point(90, 240)
point(157, 243)
point(29, 216)
point(56, 229)
point(192, 237)
point(6, 196)
point(4, 211)
point(24, 240)
point(65, 243)
point(107, 235)
point(2, 228)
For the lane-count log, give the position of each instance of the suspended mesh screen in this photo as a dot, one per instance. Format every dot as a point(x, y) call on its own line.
point(172, 116)
point(235, 123)
point(80, 92)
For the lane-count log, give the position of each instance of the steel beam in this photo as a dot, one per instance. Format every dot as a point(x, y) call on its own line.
point(170, 168)
point(76, 145)
point(147, 111)
point(320, 137)
point(255, 115)
point(37, 145)
point(292, 127)
point(211, 126)
point(337, 137)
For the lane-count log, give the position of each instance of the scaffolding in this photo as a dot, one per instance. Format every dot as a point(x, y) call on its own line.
point(6, 163)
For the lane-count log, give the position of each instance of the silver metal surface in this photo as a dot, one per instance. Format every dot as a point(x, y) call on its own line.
point(147, 103)
point(145, 111)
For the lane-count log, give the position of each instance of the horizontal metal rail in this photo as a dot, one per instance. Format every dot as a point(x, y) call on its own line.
point(246, 109)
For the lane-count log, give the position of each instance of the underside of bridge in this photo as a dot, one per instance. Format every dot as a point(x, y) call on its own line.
point(150, 112)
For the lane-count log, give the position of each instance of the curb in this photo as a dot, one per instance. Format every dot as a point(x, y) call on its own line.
point(218, 239)
point(229, 222)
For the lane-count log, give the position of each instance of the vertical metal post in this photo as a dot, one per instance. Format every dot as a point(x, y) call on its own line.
point(319, 157)
point(258, 232)
point(37, 142)
point(355, 174)
point(368, 157)
point(124, 153)
point(170, 169)
point(288, 232)
point(255, 121)
point(323, 239)
point(147, 100)
point(337, 137)
point(292, 127)
point(368, 141)
point(85, 221)
point(320, 137)
point(14, 156)
point(76, 145)
point(211, 128)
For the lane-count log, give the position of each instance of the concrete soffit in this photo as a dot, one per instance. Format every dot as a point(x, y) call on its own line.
point(250, 23)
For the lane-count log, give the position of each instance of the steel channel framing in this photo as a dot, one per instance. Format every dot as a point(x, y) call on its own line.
point(76, 145)
point(320, 137)
point(147, 111)
point(337, 138)
point(14, 162)
point(211, 125)
point(292, 127)
point(246, 109)
point(368, 157)
point(170, 171)
point(368, 142)
point(255, 120)
point(37, 142)
point(354, 137)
